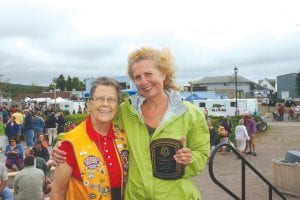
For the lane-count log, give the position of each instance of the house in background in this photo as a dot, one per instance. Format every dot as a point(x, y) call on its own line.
point(269, 84)
point(287, 86)
point(226, 85)
point(265, 90)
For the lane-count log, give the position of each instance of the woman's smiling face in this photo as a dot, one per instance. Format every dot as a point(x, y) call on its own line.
point(103, 105)
point(148, 79)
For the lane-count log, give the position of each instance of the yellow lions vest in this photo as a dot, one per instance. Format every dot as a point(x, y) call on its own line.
point(95, 182)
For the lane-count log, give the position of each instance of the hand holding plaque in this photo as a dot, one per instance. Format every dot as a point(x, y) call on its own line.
point(162, 157)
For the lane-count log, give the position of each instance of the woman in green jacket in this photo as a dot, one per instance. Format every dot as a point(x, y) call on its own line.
point(157, 111)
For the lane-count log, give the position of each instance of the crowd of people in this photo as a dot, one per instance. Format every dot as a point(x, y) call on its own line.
point(291, 112)
point(36, 128)
point(244, 134)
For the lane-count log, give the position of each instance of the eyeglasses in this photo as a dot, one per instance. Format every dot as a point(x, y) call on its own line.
point(102, 99)
point(13, 141)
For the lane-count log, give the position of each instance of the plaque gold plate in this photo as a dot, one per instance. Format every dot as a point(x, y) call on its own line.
point(163, 163)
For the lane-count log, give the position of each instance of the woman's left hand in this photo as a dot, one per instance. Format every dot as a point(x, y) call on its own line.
point(184, 155)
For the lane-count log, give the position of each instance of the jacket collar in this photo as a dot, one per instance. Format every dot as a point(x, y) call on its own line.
point(175, 106)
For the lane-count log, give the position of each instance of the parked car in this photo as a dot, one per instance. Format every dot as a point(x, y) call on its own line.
point(272, 102)
point(289, 103)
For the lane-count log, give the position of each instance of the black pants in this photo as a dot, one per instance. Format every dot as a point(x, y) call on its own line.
point(116, 194)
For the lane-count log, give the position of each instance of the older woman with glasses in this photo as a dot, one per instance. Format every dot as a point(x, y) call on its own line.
point(96, 150)
point(14, 155)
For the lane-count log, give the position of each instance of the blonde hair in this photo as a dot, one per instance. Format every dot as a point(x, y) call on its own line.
point(163, 60)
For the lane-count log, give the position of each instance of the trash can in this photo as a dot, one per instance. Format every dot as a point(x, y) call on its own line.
point(287, 177)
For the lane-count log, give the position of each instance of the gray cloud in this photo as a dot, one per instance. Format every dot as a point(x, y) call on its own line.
point(39, 42)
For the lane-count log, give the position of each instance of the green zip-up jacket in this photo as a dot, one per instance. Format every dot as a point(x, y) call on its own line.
point(182, 118)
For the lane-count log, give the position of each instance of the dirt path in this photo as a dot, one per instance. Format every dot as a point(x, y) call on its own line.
point(273, 144)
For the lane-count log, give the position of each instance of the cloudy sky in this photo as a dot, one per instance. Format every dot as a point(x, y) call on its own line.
point(40, 39)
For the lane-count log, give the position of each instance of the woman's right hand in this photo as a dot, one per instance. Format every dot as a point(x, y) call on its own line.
point(58, 155)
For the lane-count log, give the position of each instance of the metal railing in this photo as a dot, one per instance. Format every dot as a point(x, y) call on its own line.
point(244, 162)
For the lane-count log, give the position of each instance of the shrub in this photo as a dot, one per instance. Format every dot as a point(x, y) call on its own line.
point(75, 118)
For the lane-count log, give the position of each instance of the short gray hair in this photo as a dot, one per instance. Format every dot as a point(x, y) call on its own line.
point(106, 82)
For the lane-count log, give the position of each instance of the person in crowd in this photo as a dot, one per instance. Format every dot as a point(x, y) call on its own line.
point(96, 150)
point(224, 137)
point(42, 165)
point(5, 192)
point(155, 112)
point(5, 114)
point(251, 129)
point(14, 155)
point(60, 122)
point(28, 183)
point(38, 125)
point(3, 138)
point(19, 118)
point(48, 111)
point(227, 124)
point(241, 136)
point(291, 112)
point(40, 151)
point(225, 127)
point(50, 125)
point(43, 140)
point(206, 112)
point(214, 138)
point(12, 128)
point(281, 111)
point(79, 110)
point(13, 109)
point(297, 108)
point(28, 128)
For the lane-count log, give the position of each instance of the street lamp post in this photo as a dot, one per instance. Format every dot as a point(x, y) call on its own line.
point(235, 79)
point(54, 92)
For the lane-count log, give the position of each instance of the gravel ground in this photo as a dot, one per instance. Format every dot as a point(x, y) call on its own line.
point(271, 145)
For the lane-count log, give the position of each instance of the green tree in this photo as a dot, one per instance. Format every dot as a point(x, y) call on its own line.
point(82, 85)
point(76, 83)
point(61, 82)
point(36, 89)
point(69, 83)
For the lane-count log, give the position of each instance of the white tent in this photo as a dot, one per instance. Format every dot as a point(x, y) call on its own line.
point(57, 100)
point(40, 99)
point(60, 100)
point(27, 99)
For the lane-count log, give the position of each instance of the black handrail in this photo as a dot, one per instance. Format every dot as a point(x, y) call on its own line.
point(244, 163)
